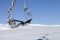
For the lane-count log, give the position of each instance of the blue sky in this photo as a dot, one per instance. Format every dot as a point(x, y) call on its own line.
point(43, 11)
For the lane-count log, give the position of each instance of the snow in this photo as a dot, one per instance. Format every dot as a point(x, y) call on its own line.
point(30, 32)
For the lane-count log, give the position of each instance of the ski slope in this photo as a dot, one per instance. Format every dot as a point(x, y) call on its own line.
point(30, 32)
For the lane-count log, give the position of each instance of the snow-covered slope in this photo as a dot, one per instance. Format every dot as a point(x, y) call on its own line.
point(30, 32)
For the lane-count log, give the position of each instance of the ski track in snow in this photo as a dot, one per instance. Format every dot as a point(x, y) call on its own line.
point(30, 32)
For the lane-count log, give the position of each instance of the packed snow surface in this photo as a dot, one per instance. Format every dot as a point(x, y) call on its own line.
point(30, 32)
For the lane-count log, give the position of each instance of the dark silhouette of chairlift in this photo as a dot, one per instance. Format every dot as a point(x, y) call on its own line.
point(12, 21)
point(22, 22)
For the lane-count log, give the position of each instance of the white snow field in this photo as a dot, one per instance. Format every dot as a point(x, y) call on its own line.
point(30, 32)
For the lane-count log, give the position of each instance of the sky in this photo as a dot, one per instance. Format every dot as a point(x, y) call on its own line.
point(43, 11)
